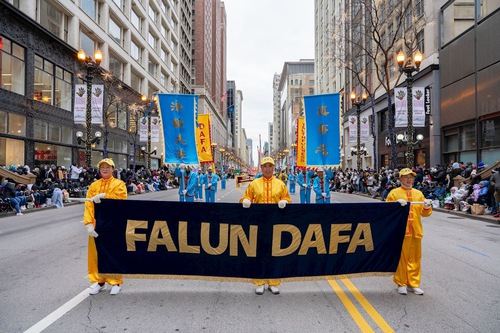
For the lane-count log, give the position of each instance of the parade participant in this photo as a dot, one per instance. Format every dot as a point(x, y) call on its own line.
point(304, 181)
point(266, 190)
point(106, 187)
point(409, 271)
point(198, 193)
point(283, 177)
point(292, 178)
point(321, 186)
point(187, 183)
point(210, 185)
point(223, 181)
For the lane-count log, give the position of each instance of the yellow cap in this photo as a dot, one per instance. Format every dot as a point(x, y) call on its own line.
point(406, 171)
point(267, 160)
point(107, 161)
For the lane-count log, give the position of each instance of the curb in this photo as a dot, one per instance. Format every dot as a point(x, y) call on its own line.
point(34, 210)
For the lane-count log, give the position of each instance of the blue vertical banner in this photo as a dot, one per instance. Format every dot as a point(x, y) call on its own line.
point(178, 113)
point(322, 129)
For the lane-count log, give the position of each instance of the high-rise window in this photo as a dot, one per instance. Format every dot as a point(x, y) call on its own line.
point(89, 7)
point(134, 51)
point(115, 66)
point(115, 31)
point(136, 21)
point(53, 20)
point(12, 68)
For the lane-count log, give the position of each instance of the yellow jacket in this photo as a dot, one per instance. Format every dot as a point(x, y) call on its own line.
point(262, 190)
point(114, 189)
point(414, 225)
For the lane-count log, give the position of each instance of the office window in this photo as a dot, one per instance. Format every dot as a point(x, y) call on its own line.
point(44, 80)
point(53, 20)
point(152, 13)
point(115, 31)
point(152, 67)
point(87, 44)
point(151, 40)
point(136, 21)
point(135, 81)
point(420, 41)
point(115, 66)
point(12, 66)
point(122, 118)
point(89, 7)
point(135, 51)
point(419, 8)
point(63, 92)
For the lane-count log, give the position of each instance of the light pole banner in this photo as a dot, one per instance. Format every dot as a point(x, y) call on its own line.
point(203, 139)
point(418, 107)
point(401, 106)
point(80, 103)
point(178, 120)
point(322, 129)
point(97, 103)
point(365, 128)
point(155, 129)
point(143, 129)
point(353, 130)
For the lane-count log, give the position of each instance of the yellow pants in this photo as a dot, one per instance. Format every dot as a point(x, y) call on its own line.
point(92, 267)
point(274, 282)
point(409, 270)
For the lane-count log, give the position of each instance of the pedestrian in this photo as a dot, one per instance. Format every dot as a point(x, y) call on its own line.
point(409, 271)
point(223, 180)
point(321, 186)
point(210, 185)
point(266, 190)
point(111, 188)
point(187, 183)
point(304, 181)
point(198, 193)
point(292, 178)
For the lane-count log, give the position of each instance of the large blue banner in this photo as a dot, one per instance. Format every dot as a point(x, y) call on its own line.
point(178, 114)
point(322, 129)
point(227, 241)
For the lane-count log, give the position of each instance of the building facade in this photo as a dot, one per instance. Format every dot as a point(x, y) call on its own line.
point(142, 54)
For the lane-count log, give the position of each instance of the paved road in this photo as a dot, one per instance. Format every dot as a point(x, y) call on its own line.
point(43, 258)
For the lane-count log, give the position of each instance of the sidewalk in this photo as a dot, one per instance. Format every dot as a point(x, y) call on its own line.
point(33, 210)
point(484, 218)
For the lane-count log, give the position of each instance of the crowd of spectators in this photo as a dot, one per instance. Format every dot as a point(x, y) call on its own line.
point(54, 185)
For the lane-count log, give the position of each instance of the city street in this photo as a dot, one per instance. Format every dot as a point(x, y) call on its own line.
point(43, 265)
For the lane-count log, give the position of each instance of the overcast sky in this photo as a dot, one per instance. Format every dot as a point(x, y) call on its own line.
point(261, 36)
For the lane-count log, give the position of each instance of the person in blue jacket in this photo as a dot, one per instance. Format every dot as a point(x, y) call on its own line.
point(210, 182)
point(187, 183)
point(304, 181)
point(321, 186)
point(198, 193)
point(223, 181)
point(292, 178)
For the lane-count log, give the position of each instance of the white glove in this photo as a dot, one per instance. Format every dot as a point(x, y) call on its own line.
point(90, 230)
point(184, 192)
point(427, 203)
point(282, 204)
point(246, 203)
point(97, 198)
point(402, 202)
point(323, 195)
point(209, 185)
point(305, 185)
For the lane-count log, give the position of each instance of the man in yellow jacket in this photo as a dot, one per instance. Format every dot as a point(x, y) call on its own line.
point(266, 190)
point(110, 188)
point(409, 271)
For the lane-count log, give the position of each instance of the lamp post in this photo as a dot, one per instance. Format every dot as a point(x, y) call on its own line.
point(146, 101)
point(358, 152)
point(408, 68)
point(214, 145)
point(149, 153)
point(91, 66)
point(222, 152)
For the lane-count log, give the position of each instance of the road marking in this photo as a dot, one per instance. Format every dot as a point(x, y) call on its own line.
point(377, 318)
point(358, 318)
point(61, 311)
point(473, 251)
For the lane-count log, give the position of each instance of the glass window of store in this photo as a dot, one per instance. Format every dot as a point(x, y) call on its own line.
point(10, 149)
point(52, 84)
point(48, 154)
point(12, 66)
point(63, 91)
point(490, 144)
point(122, 118)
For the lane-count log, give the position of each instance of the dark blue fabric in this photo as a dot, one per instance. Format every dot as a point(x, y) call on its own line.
point(387, 223)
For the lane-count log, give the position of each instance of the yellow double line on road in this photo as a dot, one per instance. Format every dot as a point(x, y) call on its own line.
point(354, 312)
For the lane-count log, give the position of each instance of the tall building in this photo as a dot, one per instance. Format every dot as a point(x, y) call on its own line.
point(296, 81)
point(146, 48)
point(209, 56)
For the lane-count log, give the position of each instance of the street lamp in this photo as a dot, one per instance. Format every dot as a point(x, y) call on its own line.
point(358, 152)
point(222, 153)
point(91, 66)
point(214, 145)
point(408, 68)
point(149, 153)
point(146, 100)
